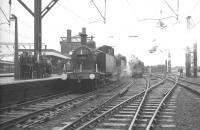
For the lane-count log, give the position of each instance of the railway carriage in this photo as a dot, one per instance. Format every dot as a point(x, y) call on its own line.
point(6, 66)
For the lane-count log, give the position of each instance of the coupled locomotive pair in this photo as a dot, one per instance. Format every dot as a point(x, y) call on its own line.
point(92, 67)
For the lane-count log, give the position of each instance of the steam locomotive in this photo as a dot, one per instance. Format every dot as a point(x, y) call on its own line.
point(137, 68)
point(91, 67)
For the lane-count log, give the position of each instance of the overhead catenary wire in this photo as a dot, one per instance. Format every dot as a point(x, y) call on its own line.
point(80, 17)
point(192, 11)
point(12, 32)
point(103, 17)
point(170, 7)
point(7, 19)
point(197, 23)
point(73, 13)
point(177, 10)
point(96, 21)
point(105, 12)
point(194, 7)
point(4, 23)
point(25, 24)
point(132, 9)
point(156, 18)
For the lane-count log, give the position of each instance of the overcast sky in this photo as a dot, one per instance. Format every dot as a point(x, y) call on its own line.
point(124, 18)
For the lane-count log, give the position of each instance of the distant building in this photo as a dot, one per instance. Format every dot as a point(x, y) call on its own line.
point(70, 43)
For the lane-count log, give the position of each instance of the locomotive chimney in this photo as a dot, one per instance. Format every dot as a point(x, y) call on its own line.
point(83, 36)
point(69, 35)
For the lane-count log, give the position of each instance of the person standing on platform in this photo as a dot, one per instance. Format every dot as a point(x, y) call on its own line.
point(68, 66)
point(59, 67)
point(49, 67)
point(181, 72)
point(36, 66)
point(42, 67)
point(31, 63)
point(23, 65)
point(26, 66)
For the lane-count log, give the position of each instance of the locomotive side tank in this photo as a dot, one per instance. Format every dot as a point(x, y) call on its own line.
point(107, 62)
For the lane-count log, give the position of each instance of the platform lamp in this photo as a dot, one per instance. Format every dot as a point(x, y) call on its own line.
point(16, 59)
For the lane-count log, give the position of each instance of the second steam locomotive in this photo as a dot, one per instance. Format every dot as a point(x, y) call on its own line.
point(137, 68)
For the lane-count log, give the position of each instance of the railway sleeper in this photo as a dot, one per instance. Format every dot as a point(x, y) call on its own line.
point(113, 125)
point(118, 119)
point(126, 112)
point(122, 116)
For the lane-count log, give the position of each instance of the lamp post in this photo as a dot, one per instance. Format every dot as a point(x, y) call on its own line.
point(16, 59)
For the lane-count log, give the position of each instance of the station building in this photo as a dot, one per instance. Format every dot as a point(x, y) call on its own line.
point(7, 55)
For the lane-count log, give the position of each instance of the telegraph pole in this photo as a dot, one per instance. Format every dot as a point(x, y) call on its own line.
point(188, 54)
point(38, 14)
point(16, 59)
point(188, 62)
point(169, 62)
point(166, 67)
point(195, 60)
point(37, 28)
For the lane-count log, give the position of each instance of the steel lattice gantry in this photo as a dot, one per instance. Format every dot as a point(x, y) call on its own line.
point(38, 14)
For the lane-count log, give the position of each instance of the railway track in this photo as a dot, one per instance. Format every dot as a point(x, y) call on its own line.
point(185, 80)
point(23, 115)
point(189, 85)
point(121, 105)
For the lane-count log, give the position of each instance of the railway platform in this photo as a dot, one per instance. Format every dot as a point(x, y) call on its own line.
point(7, 75)
point(8, 78)
point(17, 91)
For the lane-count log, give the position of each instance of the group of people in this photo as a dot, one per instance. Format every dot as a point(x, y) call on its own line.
point(34, 67)
point(180, 70)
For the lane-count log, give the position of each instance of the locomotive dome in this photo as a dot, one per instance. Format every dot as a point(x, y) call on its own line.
point(91, 44)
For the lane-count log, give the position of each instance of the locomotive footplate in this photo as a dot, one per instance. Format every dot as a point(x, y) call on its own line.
point(85, 75)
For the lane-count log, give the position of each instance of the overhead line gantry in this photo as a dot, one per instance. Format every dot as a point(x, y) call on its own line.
point(38, 14)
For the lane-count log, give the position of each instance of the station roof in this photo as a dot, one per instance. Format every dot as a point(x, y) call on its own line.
point(7, 50)
point(47, 52)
